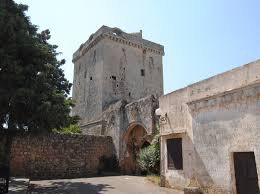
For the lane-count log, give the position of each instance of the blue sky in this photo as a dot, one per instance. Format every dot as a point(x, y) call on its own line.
point(201, 37)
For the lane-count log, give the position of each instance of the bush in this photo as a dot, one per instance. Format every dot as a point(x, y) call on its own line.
point(149, 158)
point(72, 129)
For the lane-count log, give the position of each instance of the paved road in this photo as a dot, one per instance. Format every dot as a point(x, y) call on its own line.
point(18, 186)
point(100, 185)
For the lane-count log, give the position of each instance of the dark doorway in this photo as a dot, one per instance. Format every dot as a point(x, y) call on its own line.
point(174, 154)
point(246, 173)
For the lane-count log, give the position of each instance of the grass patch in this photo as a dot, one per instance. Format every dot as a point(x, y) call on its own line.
point(154, 179)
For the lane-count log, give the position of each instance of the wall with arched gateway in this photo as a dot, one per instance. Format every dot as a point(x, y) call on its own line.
point(121, 118)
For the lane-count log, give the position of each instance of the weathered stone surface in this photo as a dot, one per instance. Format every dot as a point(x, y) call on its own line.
point(59, 156)
point(111, 66)
point(192, 190)
point(117, 81)
point(121, 119)
point(215, 117)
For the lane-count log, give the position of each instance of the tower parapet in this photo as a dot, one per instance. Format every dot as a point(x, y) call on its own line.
point(117, 35)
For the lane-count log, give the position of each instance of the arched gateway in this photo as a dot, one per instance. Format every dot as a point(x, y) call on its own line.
point(135, 139)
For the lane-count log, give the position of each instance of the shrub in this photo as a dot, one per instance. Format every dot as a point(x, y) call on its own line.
point(71, 129)
point(149, 157)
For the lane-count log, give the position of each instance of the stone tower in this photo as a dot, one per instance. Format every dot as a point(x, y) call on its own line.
point(110, 66)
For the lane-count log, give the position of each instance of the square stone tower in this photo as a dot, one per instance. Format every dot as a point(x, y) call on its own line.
point(110, 66)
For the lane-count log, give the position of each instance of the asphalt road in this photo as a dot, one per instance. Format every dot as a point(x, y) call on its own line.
point(100, 185)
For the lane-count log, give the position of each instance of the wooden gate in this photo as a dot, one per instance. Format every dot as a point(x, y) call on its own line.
point(246, 173)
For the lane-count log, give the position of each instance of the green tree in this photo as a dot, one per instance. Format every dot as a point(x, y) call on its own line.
point(33, 89)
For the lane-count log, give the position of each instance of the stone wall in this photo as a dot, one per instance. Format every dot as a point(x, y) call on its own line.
point(120, 118)
point(114, 120)
point(87, 85)
point(214, 117)
point(143, 111)
point(174, 103)
point(59, 156)
point(222, 125)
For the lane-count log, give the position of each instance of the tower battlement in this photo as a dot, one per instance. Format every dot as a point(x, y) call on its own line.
point(116, 34)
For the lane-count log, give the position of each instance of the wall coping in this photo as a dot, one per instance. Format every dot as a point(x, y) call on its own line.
point(229, 96)
point(234, 70)
point(220, 94)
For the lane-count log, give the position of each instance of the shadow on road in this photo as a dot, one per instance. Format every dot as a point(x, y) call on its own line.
point(18, 185)
point(59, 187)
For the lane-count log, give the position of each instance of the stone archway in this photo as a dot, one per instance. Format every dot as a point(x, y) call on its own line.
point(135, 139)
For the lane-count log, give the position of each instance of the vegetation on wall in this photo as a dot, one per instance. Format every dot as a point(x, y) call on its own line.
point(71, 129)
